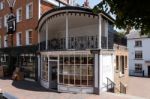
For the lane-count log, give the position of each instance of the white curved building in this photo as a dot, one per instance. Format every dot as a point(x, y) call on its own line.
point(75, 50)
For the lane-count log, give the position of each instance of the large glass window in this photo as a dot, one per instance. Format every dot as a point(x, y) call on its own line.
point(45, 68)
point(28, 62)
point(76, 70)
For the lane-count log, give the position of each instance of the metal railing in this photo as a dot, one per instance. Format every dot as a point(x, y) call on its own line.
point(136, 73)
point(122, 88)
point(110, 85)
point(77, 43)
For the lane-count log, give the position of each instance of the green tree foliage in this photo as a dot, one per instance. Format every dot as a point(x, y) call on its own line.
point(120, 38)
point(129, 13)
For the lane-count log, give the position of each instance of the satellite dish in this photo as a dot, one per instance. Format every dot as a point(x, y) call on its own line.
point(11, 3)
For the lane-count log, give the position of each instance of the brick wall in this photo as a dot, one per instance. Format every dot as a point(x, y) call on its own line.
point(25, 24)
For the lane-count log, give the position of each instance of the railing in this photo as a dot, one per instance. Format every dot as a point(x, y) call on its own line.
point(122, 88)
point(136, 73)
point(110, 85)
point(78, 43)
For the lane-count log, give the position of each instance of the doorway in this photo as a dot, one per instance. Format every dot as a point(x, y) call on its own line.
point(148, 71)
point(53, 74)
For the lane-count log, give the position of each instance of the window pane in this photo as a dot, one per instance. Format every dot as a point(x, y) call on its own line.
point(71, 77)
point(90, 60)
point(90, 70)
point(60, 78)
point(66, 79)
point(77, 60)
point(61, 69)
point(84, 60)
point(90, 80)
point(84, 80)
point(77, 70)
point(77, 80)
point(84, 70)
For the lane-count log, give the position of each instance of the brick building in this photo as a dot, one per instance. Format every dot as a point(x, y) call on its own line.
point(121, 75)
point(19, 48)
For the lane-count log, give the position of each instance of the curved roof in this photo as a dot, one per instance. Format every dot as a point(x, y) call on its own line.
point(73, 9)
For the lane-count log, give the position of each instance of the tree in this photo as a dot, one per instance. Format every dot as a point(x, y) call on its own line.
point(129, 13)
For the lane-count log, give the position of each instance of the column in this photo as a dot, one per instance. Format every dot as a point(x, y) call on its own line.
point(96, 73)
point(39, 39)
point(106, 33)
point(66, 41)
point(46, 34)
point(99, 31)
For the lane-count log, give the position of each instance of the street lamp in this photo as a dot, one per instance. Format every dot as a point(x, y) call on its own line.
point(11, 21)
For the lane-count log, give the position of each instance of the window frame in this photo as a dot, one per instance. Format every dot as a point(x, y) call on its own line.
point(138, 67)
point(28, 11)
point(138, 43)
point(19, 15)
point(28, 38)
point(140, 54)
point(1, 5)
point(18, 39)
point(6, 41)
point(1, 22)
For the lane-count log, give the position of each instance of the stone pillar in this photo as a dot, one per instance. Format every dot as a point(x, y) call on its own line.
point(100, 31)
point(96, 73)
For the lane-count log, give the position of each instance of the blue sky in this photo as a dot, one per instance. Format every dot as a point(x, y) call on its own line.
point(92, 2)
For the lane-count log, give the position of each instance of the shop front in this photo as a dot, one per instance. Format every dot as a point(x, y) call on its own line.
point(67, 71)
point(23, 57)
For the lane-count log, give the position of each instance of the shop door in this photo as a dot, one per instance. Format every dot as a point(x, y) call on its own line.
point(148, 71)
point(53, 74)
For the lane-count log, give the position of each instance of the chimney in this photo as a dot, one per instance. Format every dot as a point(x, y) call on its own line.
point(86, 4)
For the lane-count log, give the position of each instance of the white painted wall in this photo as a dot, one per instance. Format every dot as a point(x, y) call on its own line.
point(146, 53)
point(106, 70)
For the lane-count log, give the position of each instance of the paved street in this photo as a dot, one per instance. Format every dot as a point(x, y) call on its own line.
point(31, 90)
point(139, 87)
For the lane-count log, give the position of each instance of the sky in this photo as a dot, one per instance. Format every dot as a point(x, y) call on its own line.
point(92, 2)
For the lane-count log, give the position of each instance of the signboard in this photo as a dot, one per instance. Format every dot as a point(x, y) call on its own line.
point(11, 24)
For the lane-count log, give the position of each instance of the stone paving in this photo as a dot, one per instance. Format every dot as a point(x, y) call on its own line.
point(32, 90)
point(139, 86)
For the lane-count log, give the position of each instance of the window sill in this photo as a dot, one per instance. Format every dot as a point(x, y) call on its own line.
point(29, 18)
point(121, 75)
point(138, 59)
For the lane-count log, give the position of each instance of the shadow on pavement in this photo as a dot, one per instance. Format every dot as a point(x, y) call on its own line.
point(30, 85)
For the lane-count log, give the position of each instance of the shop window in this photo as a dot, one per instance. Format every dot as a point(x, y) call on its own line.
point(45, 68)
point(27, 62)
point(76, 70)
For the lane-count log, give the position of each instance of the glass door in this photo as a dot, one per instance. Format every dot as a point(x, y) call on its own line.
point(53, 74)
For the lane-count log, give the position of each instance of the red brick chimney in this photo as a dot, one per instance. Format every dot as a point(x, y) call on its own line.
point(86, 4)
